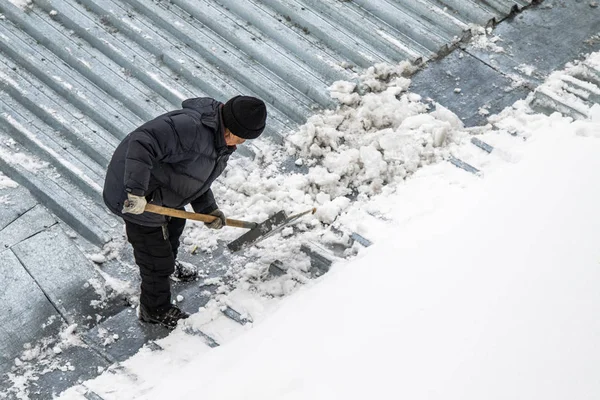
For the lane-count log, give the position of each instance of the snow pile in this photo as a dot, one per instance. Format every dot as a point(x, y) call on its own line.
point(382, 136)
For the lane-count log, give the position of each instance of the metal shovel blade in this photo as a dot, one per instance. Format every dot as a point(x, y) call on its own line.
point(255, 234)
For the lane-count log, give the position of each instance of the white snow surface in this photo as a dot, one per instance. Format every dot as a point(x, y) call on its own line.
point(477, 287)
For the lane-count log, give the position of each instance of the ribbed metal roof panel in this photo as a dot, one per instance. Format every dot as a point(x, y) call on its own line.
point(77, 76)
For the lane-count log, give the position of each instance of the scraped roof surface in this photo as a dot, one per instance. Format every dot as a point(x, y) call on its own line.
point(77, 76)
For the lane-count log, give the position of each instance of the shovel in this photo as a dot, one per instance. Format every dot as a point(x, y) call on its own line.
point(256, 233)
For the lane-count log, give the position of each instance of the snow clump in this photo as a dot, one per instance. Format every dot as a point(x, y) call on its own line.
point(482, 38)
point(384, 136)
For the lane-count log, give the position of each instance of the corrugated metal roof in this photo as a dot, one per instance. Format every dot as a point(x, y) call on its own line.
point(77, 76)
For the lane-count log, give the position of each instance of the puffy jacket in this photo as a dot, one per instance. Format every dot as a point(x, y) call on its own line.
point(171, 160)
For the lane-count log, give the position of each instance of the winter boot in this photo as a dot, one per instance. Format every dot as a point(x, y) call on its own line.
point(168, 318)
point(184, 272)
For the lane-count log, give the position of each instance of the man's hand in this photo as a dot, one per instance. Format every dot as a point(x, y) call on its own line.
point(134, 204)
point(217, 223)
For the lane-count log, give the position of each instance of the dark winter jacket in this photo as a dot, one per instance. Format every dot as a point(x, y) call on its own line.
point(172, 160)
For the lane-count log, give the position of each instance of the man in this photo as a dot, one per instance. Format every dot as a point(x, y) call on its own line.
point(172, 161)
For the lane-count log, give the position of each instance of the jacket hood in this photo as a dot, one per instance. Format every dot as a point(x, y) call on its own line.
point(202, 105)
point(210, 116)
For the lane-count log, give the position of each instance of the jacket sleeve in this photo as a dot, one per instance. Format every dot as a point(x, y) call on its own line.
point(163, 139)
point(205, 204)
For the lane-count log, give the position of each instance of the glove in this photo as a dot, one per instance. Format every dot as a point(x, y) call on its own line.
point(217, 223)
point(134, 204)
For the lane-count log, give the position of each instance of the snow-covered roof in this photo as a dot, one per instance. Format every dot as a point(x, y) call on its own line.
point(77, 76)
point(66, 116)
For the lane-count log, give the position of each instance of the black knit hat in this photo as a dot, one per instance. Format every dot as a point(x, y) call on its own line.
point(245, 116)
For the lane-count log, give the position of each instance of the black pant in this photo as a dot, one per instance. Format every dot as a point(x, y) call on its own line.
point(155, 250)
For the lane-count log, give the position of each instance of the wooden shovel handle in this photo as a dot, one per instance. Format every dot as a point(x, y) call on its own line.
point(172, 212)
